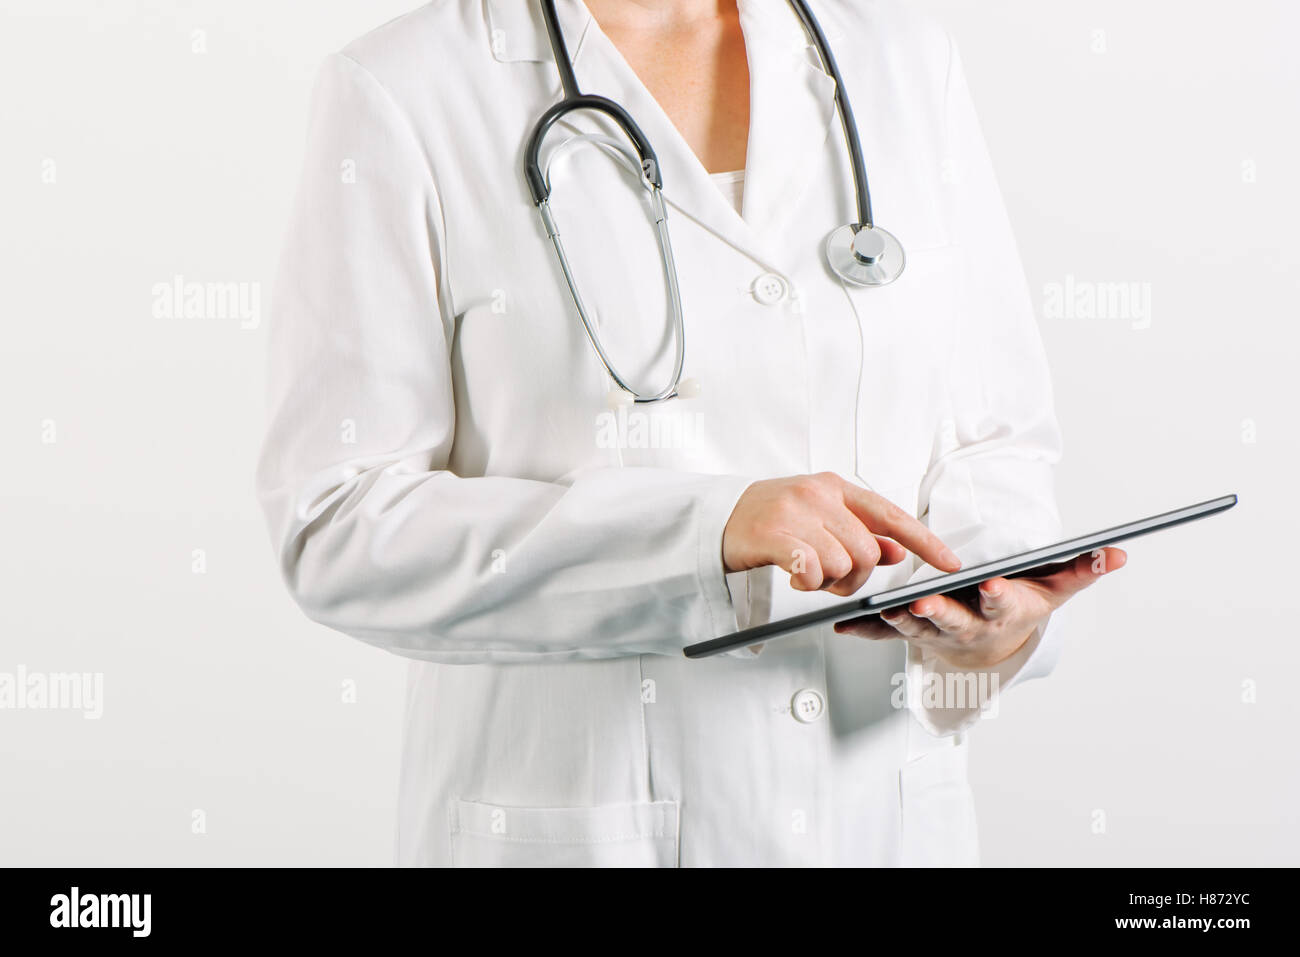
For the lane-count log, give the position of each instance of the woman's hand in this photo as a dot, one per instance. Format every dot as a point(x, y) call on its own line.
point(1009, 609)
point(827, 533)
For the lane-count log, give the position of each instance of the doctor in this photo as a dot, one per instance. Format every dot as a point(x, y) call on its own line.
point(446, 476)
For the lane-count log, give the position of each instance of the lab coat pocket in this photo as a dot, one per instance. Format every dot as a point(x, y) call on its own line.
point(908, 332)
point(611, 835)
point(938, 810)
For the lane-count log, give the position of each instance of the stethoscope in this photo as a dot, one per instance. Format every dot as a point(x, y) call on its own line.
point(860, 253)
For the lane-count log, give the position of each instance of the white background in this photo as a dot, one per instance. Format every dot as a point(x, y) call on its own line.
point(1150, 142)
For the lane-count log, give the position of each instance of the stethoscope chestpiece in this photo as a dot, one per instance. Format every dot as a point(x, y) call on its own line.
point(865, 255)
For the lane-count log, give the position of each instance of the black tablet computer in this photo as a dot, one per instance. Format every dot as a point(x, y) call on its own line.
point(958, 580)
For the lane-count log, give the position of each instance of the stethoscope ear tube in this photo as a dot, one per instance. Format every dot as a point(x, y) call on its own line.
point(537, 185)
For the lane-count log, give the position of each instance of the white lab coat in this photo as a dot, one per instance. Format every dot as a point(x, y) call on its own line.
point(442, 479)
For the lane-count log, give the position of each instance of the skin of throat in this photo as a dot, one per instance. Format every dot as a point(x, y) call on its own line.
point(690, 55)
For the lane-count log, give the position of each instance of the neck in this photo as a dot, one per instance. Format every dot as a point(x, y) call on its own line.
point(652, 14)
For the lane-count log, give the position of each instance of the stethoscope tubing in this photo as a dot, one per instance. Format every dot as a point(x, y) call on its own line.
point(861, 187)
point(537, 184)
point(573, 99)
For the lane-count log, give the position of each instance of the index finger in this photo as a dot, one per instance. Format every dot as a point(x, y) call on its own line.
point(881, 515)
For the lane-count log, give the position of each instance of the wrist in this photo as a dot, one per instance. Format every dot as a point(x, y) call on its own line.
point(983, 656)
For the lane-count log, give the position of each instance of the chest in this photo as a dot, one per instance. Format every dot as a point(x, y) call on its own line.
point(699, 76)
point(798, 372)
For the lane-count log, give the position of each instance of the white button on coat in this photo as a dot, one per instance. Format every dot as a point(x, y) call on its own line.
point(542, 582)
point(769, 289)
point(807, 706)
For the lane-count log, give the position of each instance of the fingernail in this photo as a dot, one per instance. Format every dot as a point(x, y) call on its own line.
point(951, 557)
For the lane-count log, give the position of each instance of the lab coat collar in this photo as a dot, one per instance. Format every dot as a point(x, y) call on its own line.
point(791, 111)
point(517, 30)
point(792, 107)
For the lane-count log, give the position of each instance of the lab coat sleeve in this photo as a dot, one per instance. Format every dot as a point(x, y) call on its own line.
point(989, 490)
point(375, 537)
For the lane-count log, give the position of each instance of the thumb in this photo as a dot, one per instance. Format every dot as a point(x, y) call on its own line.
point(1083, 571)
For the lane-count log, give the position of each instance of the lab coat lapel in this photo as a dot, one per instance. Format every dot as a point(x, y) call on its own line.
point(687, 187)
point(792, 110)
point(792, 107)
point(518, 32)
